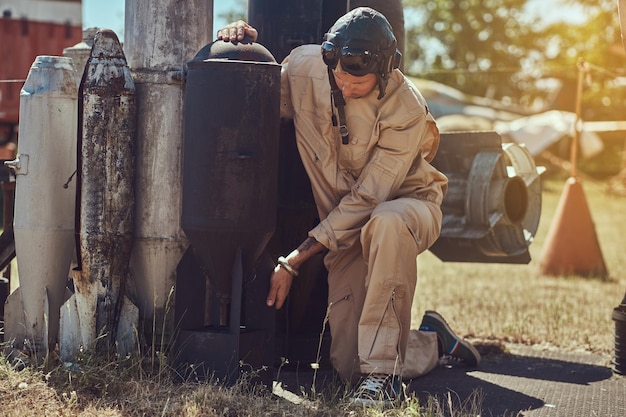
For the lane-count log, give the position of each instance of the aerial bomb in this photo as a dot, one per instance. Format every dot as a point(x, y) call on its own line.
point(105, 202)
point(43, 223)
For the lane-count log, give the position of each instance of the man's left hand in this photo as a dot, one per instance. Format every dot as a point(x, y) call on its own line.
point(280, 284)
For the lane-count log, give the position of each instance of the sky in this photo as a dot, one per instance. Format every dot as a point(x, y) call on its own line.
point(109, 14)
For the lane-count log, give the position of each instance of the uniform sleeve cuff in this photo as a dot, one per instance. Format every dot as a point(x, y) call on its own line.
point(324, 235)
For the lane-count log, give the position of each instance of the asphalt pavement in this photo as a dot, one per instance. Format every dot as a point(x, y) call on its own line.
point(513, 381)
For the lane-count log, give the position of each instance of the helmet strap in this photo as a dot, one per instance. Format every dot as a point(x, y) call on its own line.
point(382, 85)
point(339, 103)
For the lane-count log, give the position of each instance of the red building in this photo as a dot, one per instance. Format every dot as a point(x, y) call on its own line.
point(29, 28)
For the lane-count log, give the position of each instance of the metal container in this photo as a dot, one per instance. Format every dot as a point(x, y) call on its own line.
point(285, 24)
point(99, 310)
point(619, 358)
point(44, 201)
point(230, 159)
point(232, 121)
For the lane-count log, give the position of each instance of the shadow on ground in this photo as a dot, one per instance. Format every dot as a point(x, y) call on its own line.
point(504, 384)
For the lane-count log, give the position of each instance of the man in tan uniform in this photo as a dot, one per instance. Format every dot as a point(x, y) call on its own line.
point(366, 140)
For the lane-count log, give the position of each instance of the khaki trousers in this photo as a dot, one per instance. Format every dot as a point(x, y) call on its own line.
point(371, 288)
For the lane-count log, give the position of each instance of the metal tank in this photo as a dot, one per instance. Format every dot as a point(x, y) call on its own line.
point(160, 37)
point(230, 160)
point(619, 352)
point(44, 202)
point(99, 310)
point(286, 24)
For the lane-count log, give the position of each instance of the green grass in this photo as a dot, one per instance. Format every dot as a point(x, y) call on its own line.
point(517, 304)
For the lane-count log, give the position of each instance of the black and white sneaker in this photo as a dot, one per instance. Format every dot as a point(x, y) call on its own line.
point(379, 390)
point(453, 348)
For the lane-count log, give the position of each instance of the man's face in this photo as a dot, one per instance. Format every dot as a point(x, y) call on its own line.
point(352, 86)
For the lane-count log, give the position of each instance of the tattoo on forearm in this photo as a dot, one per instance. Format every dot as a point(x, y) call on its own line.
point(307, 245)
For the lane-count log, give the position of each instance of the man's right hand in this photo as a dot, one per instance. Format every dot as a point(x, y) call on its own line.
point(236, 31)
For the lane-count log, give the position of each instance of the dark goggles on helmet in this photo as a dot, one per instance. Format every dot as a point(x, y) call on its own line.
point(354, 61)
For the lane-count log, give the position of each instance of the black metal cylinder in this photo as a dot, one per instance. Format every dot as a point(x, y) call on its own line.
point(619, 360)
point(286, 24)
point(231, 129)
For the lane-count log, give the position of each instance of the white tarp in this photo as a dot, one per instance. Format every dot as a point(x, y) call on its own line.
point(539, 131)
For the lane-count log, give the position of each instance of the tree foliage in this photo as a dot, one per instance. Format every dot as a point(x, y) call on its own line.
point(238, 10)
point(469, 43)
point(493, 48)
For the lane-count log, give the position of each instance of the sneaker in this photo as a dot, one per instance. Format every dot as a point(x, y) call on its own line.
point(378, 390)
point(453, 348)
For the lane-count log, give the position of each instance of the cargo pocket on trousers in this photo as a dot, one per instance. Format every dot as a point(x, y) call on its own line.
point(383, 337)
point(421, 354)
point(344, 323)
point(341, 309)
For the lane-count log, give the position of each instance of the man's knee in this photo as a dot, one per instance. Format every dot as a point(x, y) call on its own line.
point(385, 219)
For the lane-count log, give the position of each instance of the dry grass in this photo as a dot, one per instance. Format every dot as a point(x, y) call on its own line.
point(99, 392)
point(486, 303)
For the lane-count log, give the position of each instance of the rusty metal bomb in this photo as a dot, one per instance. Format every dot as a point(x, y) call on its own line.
point(105, 197)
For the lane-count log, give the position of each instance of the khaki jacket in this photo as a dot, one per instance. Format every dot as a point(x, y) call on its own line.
point(392, 141)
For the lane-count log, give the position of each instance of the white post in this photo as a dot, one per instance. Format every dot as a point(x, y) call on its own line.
point(160, 37)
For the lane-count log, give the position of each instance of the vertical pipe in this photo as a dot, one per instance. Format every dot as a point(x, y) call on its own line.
point(582, 71)
point(160, 37)
point(620, 328)
point(286, 24)
point(621, 9)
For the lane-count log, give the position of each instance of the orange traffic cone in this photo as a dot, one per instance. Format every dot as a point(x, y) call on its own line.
point(572, 246)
